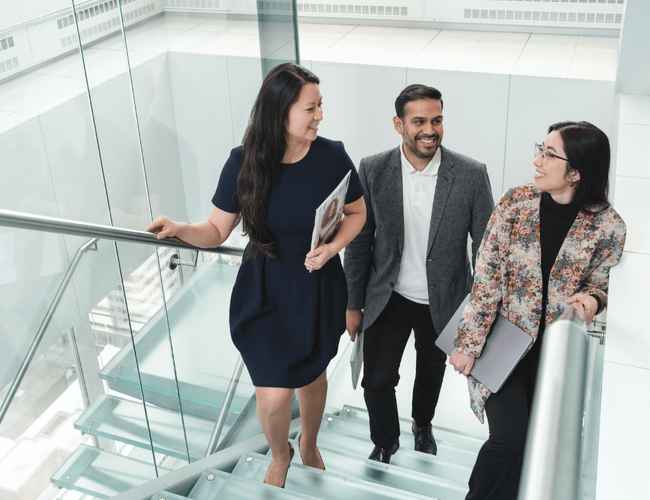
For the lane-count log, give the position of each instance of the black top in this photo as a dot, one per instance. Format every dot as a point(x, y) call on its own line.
point(555, 221)
point(285, 321)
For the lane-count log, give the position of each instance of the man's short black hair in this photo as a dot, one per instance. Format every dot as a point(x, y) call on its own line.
point(415, 92)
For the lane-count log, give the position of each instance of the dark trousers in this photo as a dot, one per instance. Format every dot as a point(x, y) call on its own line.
point(498, 466)
point(382, 353)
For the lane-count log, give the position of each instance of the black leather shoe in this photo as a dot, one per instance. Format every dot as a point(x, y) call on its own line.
point(380, 454)
point(423, 437)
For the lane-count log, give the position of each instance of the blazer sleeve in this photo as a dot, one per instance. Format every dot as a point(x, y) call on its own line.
point(611, 249)
point(485, 296)
point(482, 207)
point(358, 254)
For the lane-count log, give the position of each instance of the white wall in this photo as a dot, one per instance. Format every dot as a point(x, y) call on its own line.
point(633, 75)
point(625, 413)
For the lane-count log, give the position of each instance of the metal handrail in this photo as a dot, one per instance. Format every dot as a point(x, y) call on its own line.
point(552, 461)
point(21, 220)
point(45, 322)
point(221, 420)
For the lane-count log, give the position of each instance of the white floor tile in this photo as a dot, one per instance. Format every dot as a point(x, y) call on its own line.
point(594, 64)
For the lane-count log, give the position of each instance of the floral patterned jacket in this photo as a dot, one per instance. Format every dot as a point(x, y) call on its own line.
point(508, 274)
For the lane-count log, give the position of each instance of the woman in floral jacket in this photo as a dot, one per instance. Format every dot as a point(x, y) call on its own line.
point(547, 244)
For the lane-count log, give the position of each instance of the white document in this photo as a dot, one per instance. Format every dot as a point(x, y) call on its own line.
point(356, 359)
point(329, 214)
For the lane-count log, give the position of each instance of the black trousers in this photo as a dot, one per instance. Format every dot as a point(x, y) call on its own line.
point(382, 353)
point(498, 466)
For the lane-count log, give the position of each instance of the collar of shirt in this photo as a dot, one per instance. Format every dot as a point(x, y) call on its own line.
point(431, 170)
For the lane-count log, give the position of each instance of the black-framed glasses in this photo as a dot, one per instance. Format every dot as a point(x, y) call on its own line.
point(545, 153)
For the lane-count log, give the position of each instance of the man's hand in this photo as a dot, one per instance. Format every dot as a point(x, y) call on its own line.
point(462, 363)
point(353, 318)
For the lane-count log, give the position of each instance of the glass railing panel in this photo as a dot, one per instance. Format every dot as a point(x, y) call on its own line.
point(63, 387)
point(146, 283)
point(187, 127)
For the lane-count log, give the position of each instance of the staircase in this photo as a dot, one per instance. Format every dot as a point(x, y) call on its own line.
point(344, 444)
point(116, 419)
point(124, 459)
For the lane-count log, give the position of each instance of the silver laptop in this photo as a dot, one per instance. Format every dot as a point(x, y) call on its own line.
point(506, 344)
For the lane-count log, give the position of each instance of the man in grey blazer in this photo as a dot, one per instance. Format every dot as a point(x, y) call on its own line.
point(408, 269)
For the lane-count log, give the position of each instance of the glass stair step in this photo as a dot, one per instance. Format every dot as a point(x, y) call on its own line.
point(409, 459)
point(218, 485)
point(195, 321)
point(325, 485)
point(447, 436)
point(389, 475)
point(359, 428)
point(100, 474)
point(168, 495)
point(124, 421)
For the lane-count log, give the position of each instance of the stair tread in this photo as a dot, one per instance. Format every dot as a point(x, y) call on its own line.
point(218, 485)
point(327, 484)
point(409, 459)
point(446, 450)
point(448, 436)
point(388, 474)
point(124, 421)
point(168, 495)
point(102, 474)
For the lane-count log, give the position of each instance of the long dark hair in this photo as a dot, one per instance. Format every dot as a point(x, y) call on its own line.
point(587, 149)
point(264, 146)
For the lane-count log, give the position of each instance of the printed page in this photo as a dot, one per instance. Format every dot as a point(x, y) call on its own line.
point(329, 214)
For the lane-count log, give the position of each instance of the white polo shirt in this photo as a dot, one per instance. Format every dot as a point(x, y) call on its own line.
point(418, 188)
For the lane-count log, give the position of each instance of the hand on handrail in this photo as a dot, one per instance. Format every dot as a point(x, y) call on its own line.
point(163, 227)
point(584, 305)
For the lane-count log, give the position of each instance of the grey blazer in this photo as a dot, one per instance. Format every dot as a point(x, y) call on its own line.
point(462, 205)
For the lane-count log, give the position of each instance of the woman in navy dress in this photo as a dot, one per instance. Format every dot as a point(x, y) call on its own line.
point(287, 310)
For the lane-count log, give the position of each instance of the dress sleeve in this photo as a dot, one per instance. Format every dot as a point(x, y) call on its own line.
point(354, 188)
point(225, 197)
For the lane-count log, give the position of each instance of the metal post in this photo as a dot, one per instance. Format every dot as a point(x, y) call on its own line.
point(221, 420)
point(45, 322)
point(81, 377)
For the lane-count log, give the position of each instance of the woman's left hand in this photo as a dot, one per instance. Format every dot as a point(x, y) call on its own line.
point(318, 257)
point(462, 363)
point(585, 305)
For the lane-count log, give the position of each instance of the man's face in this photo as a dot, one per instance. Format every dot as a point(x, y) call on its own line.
point(421, 127)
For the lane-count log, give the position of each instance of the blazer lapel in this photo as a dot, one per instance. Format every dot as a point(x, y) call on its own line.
point(395, 195)
point(443, 187)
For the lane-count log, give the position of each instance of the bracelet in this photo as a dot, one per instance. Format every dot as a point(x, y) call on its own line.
point(599, 302)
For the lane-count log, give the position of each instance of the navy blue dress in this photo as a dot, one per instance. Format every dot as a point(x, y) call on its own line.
point(285, 321)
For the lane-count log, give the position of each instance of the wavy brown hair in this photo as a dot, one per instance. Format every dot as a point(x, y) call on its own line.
point(264, 146)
